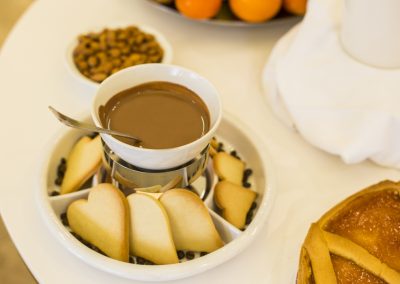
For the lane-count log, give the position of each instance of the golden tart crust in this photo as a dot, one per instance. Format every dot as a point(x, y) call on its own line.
point(357, 241)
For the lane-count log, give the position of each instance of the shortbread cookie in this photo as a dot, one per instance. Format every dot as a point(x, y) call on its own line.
point(102, 220)
point(150, 231)
point(234, 201)
point(212, 151)
point(191, 223)
point(214, 143)
point(150, 189)
point(82, 163)
point(155, 195)
point(228, 167)
point(213, 147)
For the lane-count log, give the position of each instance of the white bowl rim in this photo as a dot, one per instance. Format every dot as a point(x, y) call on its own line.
point(182, 147)
point(161, 39)
point(170, 271)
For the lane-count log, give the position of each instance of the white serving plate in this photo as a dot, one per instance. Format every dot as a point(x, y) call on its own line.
point(161, 39)
point(231, 21)
point(234, 135)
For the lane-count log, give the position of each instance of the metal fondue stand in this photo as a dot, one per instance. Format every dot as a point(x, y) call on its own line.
point(126, 176)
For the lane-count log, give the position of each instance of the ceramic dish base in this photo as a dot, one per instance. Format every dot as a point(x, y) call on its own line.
point(233, 139)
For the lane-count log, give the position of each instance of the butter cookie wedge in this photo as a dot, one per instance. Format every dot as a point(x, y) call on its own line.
point(228, 167)
point(234, 201)
point(82, 163)
point(150, 232)
point(102, 220)
point(191, 223)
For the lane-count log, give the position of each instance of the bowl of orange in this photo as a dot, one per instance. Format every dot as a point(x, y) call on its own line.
point(234, 12)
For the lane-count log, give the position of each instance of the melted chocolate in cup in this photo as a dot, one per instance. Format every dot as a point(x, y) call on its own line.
point(162, 114)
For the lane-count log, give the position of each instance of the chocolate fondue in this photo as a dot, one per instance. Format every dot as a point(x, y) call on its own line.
point(162, 114)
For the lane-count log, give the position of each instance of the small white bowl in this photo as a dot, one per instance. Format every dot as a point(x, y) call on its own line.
point(165, 45)
point(158, 159)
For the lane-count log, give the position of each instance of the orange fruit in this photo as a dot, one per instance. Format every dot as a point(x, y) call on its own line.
point(198, 9)
point(297, 7)
point(255, 11)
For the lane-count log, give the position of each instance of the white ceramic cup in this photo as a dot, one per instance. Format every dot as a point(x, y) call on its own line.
point(370, 31)
point(158, 159)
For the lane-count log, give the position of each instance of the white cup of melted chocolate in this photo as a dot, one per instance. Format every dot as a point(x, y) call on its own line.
point(174, 111)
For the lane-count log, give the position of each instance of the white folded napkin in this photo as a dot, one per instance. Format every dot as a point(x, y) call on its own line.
point(337, 103)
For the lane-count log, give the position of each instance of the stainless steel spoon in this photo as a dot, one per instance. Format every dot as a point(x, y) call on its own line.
point(85, 126)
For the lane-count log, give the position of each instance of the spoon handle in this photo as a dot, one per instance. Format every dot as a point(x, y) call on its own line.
point(85, 126)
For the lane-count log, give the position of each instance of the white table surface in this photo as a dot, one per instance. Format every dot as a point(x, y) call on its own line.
point(33, 75)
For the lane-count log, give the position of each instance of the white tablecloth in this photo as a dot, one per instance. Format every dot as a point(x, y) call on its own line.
point(33, 76)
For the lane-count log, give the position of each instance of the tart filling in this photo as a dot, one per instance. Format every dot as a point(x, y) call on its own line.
point(357, 241)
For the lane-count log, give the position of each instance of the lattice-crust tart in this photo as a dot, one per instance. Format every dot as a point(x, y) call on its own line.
point(357, 241)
